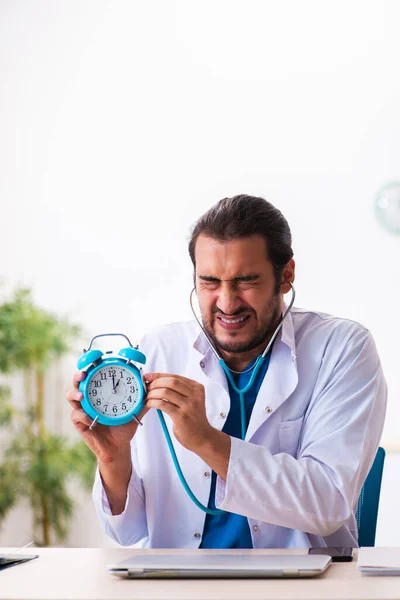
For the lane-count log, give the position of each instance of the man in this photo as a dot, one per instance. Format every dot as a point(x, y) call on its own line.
point(314, 414)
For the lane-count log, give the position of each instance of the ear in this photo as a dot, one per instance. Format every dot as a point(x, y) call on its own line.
point(288, 275)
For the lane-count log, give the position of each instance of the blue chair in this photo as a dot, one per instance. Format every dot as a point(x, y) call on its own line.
point(368, 502)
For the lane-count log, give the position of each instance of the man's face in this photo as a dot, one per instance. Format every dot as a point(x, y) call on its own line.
point(236, 290)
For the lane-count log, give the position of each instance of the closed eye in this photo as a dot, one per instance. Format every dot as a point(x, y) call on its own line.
point(244, 282)
point(244, 285)
point(209, 285)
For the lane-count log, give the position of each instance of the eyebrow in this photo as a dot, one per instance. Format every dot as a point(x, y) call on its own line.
point(210, 278)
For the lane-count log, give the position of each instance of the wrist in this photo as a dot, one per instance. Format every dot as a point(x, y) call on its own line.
point(115, 479)
point(116, 458)
point(116, 471)
point(215, 451)
point(117, 468)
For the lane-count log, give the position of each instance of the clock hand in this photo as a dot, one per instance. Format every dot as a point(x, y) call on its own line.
point(113, 390)
point(115, 386)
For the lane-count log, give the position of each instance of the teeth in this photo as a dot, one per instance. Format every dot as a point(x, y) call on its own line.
point(233, 320)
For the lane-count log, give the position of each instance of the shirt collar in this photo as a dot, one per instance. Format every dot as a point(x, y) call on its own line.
point(287, 331)
point(201, 343)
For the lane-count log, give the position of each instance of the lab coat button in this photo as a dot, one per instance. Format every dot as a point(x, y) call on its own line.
point(293, 357)
point(197, 535)
point(255, 527)
point(222, 415)
point(202, 364)
point(268, 409)
point(207, 474)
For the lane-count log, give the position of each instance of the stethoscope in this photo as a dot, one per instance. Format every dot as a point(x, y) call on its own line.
point(240, 391)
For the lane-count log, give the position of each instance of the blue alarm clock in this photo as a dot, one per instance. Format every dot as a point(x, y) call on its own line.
point(114, 389)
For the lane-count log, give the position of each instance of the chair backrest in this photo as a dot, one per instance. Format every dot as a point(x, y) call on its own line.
point(368, 502)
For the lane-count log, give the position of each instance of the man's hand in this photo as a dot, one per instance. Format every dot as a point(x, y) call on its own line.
point(111, 445)
point(184, 401)
point(107, 443)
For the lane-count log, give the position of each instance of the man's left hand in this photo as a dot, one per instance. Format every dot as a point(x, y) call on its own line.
point(184, 401)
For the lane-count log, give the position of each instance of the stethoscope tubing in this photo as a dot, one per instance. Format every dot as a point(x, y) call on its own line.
point(240, 391)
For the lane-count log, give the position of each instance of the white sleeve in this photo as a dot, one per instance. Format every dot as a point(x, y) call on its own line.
point(129, 527)
point(316, 491)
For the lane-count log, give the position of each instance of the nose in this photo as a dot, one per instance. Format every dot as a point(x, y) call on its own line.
point(228, 300)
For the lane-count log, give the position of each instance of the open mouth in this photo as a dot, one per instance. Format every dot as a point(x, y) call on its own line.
point(232, 322)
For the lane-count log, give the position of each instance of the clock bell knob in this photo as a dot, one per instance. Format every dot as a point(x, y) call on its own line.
point(88, 358)
point(133, 354)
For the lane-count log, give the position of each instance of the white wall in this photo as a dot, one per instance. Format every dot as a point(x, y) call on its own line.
point(121, 122)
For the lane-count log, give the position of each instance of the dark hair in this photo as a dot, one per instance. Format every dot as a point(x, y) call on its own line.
point(243, 216)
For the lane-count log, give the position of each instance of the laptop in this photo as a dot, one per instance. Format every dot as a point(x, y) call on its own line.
point(220, 565)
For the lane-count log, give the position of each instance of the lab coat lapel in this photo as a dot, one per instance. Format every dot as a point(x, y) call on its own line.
point(212, 376)
point(218, 401)
point(280, 380)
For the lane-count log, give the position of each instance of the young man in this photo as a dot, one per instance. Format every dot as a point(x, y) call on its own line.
point(314, 414)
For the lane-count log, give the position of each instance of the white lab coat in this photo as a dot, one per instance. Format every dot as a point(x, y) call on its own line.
point(311, 440)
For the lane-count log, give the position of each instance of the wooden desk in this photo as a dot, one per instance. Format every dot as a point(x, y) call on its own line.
point(81, 573)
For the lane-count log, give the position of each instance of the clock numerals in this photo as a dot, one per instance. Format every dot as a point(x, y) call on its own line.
point(113, 392)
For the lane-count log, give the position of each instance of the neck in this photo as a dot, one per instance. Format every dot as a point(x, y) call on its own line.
point(238, 361)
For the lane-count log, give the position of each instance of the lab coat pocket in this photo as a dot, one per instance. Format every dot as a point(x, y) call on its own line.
point(289, 433)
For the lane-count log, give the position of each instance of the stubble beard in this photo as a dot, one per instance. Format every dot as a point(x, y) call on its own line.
point(262, 333)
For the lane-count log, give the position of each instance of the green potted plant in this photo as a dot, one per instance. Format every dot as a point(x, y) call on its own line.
point(36, 463)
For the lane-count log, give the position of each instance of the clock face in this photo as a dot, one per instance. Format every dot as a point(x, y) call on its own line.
point(114, 391)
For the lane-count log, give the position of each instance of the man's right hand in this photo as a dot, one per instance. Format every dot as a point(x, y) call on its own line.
point(111, 445)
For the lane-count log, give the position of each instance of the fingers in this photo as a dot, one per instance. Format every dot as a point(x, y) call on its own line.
point(172, 382)
point(80, 419)
point(77, 378)
point(166, 394)
point(171, 409)
point(150, 377)
point(177, 390)
point(74, 396)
